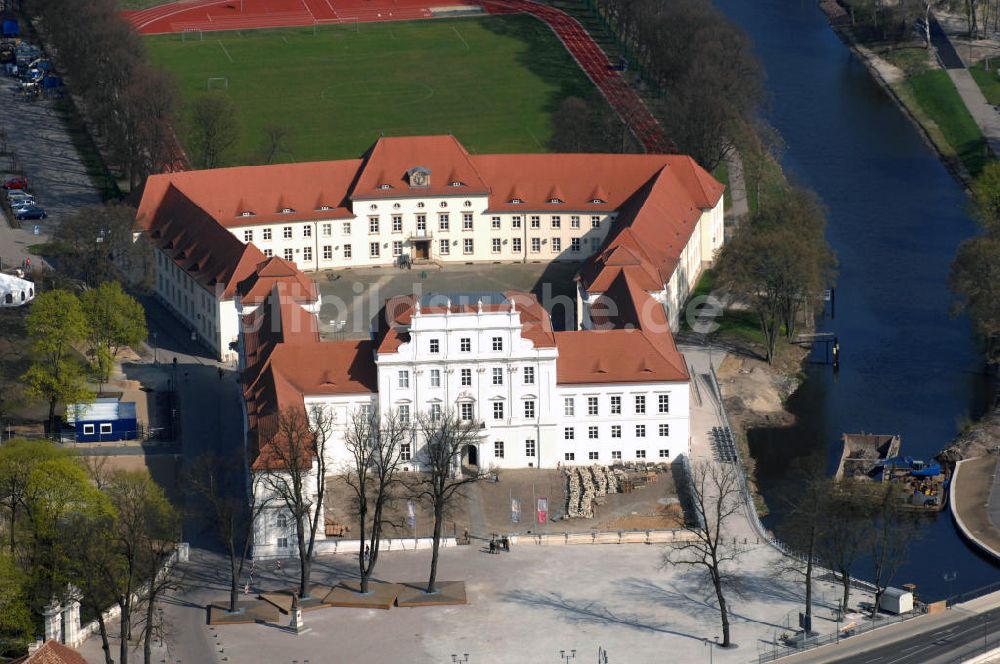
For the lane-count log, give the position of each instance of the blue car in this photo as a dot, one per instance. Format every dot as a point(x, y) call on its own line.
point(30, 212)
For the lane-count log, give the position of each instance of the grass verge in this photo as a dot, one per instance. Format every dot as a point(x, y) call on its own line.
point(936, 96)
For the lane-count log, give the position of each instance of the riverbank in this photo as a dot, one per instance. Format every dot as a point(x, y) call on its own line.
point(893, 80)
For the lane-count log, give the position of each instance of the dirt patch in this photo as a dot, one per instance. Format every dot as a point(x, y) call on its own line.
point(980, 439)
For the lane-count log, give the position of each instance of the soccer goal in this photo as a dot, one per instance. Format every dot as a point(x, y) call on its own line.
point(217, 83)
point(192, 34)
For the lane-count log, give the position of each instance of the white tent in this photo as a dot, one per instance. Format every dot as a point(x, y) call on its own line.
point(15, 292)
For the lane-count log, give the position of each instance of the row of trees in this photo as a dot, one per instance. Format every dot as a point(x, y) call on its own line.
point(294, 476)
point(700, 66)
point(975, 272)
point(102, 533)
point(130, 104)
point(779, 262)
point(99, 322)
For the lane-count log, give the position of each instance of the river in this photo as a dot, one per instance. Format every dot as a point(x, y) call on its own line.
point(896, 217)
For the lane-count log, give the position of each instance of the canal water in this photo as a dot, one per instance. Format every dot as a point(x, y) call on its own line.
point(896, 217)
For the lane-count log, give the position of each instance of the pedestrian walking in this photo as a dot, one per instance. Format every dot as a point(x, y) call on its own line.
point(367, 554)
point(506, 544)
point(493, 546)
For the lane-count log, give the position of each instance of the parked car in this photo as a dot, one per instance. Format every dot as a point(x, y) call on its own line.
point(19, 182)
point(30, 212)
point(18, 195)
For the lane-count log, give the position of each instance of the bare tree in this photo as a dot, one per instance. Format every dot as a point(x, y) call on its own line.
point(231, 509)
point(294, 462)
point(374, 443)
point(893, 530)
point(847, 530)
point(275, 138)
point(214, 129)
point(716, 496)
point(444, 437)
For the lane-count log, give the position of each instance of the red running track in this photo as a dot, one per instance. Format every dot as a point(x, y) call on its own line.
point(249, 14)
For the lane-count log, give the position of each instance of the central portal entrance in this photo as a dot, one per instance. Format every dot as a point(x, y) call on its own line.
point(471, 455)
point(421, 249)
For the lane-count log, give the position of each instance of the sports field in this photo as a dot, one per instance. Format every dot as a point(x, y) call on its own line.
point(493, 81)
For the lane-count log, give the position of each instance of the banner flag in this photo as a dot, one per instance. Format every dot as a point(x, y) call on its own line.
point(515, 510)
point(411, 515)
point(543, 510)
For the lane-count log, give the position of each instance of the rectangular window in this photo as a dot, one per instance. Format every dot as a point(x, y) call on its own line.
point(397, 248)
point(574, 221)
point(286, 232)
point(346, 228)
point(595, 243)
point(435, 346)
point(466, 221)
point(498, 375)
point(282, 542)
point(529, 409)
point(267, 233)
point(268, 253)
point(496, 245)
point(373, 249)
point(498, 410)
point(640, 454)
point(373, 224)
point(465, 411)
point(444, 247)
point(569, 407)
point(105, 428)
point(556, 221)
point(592, 408)
point(569, 456)
point(498, 449)
point(529, 375)
point(347, 251)
point(497, 344)
point(595, 221)
point(397, 223)
point(515, 245)
point(616, 455)
point(556, 245)
point(536, 221)
point(574, 244)
point(515, 222)
point(592, 433)
point(593, 456)
point(569, 433)
point(466, 377)
point(640, 430)
point(435, 378)
point(435, 412)
point(443, 223)
point(326, 230)
point(465, 344)
point(495, 223)
point(640, 404)
point(664, 430)
point(663, 403)
point(467, 245)
point(421, 223)
point(307, 231)
point(405, 453)
point(366, 410)
point(404, 414)
point(664, 454)
point(288, 254)
point(404, 378)
point(529, 448)
point(307, 254)
point(327, 252)
point(248, 236)
point(536, 245)
point(616, 431)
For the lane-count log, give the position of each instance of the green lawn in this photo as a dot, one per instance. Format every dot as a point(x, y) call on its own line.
point(937, 97)
point(988, 81)
point(491, 81)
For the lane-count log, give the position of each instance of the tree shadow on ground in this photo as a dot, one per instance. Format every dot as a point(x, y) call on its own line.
point(588, 612)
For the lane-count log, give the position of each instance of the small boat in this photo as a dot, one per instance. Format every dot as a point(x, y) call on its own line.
point(876, 458)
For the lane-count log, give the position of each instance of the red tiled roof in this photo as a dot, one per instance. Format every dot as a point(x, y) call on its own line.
point(52, 652)
point(390, 159)
point(258, 286)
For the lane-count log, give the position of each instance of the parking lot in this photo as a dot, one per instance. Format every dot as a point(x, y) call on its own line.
point(38, 145)
point(352, 298)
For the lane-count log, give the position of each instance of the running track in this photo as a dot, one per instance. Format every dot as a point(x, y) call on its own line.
point(249, 14)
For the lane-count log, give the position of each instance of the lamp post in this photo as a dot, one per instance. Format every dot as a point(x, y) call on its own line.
point(711, 651)
point(949, 578)
point(154, 349)
point(567, 656)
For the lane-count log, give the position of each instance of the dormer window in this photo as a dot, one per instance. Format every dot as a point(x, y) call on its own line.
point(596, 201)
point(246, 213)
point(455, 183)
point(554, 201)
point(325, 208)
point(516, 201)
point(384, 186)
point(287, 210)
point(418, 176)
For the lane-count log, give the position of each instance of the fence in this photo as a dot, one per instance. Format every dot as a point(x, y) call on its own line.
point(796, 645)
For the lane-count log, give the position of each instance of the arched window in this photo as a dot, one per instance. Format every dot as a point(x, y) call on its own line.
point(282, 521)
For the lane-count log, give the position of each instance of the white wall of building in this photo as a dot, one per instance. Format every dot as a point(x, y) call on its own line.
point(213, 321)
